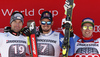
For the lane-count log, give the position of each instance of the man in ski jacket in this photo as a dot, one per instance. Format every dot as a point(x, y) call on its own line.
point(12, 43)
point(50, 42)
point(86, 46)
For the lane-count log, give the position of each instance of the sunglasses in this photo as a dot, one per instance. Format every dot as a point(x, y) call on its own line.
point(87, 27)
point(43, 23)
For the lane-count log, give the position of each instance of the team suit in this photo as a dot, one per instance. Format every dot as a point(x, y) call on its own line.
point(87, 48)
point(12, 46)
point(49, 45)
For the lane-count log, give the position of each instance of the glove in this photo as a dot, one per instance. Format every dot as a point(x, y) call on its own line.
point(40, 29)
point(63, 28)
point(67, 6)
point(7, 29)
point(25, 31)
point(37, 33)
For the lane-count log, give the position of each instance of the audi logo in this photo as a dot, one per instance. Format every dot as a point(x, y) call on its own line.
point(86, 55)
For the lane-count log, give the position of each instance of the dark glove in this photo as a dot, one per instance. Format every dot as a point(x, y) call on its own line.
point(71, 32)
point(37, 33)
point(7, 29)
point(40, 29)
point(25, 31)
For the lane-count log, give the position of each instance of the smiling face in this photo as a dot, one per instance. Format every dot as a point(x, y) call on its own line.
point(16, 25)
point(88, 31)
point(46, 25)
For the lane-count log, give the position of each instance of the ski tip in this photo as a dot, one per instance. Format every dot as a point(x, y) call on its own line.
point(29, 22)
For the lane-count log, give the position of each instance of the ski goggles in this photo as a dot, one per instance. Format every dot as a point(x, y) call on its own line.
point(87, 27)
point(43, 23)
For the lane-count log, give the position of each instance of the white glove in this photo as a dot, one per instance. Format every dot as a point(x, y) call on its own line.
point(67, 5)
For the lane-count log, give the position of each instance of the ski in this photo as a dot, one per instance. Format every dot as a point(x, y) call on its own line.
point(67, 26)
point(32, 38)
point(69, 11)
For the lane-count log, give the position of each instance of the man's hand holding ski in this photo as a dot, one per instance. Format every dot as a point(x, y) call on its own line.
point(67, 27)
point(30, 31)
